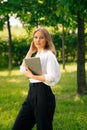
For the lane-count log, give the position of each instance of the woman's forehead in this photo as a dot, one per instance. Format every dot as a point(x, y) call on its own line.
point(39, 32)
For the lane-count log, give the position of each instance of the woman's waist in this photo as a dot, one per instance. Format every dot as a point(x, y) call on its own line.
point(34, 81)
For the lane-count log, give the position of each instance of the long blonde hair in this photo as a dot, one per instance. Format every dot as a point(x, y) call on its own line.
point(49, 45)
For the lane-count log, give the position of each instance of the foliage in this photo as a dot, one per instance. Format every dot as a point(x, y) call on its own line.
point(71, 44)
point(20, 47)
point(3, 53)
point(71, 109)
point(38, 12)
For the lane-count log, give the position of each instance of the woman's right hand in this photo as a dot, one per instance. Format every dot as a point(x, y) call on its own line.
point(32, 49)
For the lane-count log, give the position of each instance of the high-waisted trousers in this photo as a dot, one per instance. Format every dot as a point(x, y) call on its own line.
point(38, 108)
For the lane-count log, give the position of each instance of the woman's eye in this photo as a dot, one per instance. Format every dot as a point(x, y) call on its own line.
point(41, 37)
point(38, 37)
point(35, 37)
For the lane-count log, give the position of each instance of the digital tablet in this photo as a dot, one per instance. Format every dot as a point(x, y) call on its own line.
point(34, 65)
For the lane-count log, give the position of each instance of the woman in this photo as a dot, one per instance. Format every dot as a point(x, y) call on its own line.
point(39, 106)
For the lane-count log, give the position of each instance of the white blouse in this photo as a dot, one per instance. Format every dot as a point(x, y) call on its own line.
point(50, 68)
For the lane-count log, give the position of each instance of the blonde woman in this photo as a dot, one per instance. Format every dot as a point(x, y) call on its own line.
point(38, 108)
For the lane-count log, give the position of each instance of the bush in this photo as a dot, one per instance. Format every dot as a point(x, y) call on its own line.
point(19, 50)
point(20, 47)
point(3, 53)
point(70, 45)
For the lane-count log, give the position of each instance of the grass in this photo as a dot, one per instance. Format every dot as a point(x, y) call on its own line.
point(71, 109)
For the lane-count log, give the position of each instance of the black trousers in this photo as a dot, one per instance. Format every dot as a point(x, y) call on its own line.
point(38, 108)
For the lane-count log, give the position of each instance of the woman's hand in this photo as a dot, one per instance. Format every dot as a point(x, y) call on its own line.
point(28, 73)
point(32, 49)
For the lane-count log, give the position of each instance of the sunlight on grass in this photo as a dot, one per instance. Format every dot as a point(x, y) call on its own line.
point(69, 68)
point(14, 80)
point(8, 73)
point(78, 98)
point(24, 93)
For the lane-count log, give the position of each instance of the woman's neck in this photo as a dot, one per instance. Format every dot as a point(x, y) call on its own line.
point(40, 50)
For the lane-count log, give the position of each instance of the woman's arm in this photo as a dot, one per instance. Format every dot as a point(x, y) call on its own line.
point(29, 74)
point(32, 50)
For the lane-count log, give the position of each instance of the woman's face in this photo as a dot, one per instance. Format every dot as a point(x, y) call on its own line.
point(39, 40)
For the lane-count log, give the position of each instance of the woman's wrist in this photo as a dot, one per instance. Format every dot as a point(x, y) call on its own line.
point(29, 54)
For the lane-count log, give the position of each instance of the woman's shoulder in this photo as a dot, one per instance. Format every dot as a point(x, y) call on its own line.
point(50, 53)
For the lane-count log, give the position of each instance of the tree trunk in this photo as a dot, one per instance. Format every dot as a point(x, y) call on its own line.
point(10, 44)
point(63, 49)
point(81, 76)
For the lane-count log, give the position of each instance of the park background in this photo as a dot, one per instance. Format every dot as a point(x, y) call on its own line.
point(67, 23)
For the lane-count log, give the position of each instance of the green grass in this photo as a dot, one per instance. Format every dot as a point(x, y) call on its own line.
point(71, 109)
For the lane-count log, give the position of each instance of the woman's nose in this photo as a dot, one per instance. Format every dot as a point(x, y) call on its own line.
point(38, 39)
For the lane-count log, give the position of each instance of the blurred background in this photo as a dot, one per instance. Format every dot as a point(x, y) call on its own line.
point(66, 20)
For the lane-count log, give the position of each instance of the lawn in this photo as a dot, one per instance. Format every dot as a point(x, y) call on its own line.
point(71, 109)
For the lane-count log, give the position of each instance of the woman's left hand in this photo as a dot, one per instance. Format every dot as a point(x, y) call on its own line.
point(28, 73)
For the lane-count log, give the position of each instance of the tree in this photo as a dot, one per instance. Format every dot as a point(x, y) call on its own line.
point(80, 10)
point(81, 74)
point(61, 13)
point(5, 18)
point(7, 9)
point(77, 11)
